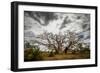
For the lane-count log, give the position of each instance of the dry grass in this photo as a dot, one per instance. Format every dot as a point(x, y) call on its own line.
point(45, 56)
point(68, 56)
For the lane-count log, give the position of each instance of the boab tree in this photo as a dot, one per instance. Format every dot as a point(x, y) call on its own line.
point(60, 42)
point(53, 41)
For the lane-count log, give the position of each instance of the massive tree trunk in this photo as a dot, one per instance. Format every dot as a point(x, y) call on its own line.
point(66, 49)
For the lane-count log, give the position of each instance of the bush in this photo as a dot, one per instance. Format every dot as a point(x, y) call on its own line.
point(27, 45)
point(28, 54)
point(85, 50)
point(32, 54)
point(37, 54)
point(51, 54)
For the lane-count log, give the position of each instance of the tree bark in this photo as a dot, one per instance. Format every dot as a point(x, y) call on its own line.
point(66, 49)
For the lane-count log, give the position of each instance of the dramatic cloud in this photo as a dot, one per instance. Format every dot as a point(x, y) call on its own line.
point(36, 23)
point(41, 17)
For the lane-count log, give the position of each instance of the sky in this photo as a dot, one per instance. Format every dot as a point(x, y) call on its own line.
point(36, 23)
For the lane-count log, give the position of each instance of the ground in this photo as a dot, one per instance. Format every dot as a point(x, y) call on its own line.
point(68, 56)
point(45, 56)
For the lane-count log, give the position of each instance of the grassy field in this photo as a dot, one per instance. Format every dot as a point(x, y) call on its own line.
point(45, 56)
point(67, 56)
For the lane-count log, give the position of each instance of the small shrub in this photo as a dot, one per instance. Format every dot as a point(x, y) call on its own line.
point(51, 54)
point(85, 50)
point(32, 54)
point(37, 54)
point(28, 54)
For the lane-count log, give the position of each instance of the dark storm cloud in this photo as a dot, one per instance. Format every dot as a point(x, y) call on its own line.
point(85, 18)
point(88, 37)
point(81, 36)
point(84, 36)
point(26, 27)
point(42, 17)
point(27, 22)
point(65, 21)
point(29, 34)
point(85, 25)
point(86, 22)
